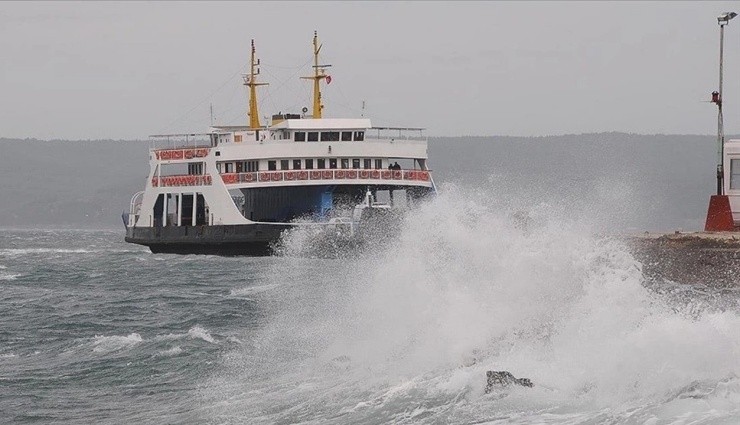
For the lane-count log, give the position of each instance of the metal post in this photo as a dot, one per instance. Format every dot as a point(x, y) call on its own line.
point(164, 209)
point(179, 209)
point(195, 207)
point(720, 129)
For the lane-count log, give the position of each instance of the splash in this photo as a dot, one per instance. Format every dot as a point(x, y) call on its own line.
point(471, 283)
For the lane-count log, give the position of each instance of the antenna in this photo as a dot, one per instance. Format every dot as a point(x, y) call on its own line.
point(211, 114)
point(363, 109)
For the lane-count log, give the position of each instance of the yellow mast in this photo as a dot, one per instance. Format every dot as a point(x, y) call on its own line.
point(251, 82)
point(319, 73)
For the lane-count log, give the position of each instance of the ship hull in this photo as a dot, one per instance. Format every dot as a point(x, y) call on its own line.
point(231, 240)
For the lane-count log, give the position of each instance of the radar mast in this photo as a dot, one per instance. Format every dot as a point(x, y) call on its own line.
point(319, 73)
point(250, 80)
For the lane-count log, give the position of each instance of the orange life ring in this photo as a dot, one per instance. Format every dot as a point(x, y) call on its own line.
point(315, 175)
point(339, 174)
point(189, 154)
point(352, 174)
point(248, 177)
point(397, 175)
point(387, 174)
point(328, 175)
point(277, 176)
point(364, 174)
point(264, 177)
point(303, 175)
point(375, 174)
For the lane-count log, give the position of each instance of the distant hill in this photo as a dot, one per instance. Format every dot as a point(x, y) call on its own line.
point(633, 182)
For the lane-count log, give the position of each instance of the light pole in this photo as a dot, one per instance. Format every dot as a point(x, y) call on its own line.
point(722, 20)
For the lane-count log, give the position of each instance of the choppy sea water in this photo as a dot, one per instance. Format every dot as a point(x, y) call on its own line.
point(94, 330)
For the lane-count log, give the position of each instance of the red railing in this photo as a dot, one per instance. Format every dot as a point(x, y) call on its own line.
point(170, 154)
point(276, 176)
point(186, 180)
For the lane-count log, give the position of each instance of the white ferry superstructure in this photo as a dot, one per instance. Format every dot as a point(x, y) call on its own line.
point(235, 189)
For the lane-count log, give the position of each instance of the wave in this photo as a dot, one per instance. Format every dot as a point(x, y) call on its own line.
point(10, 276)
point(107, 344)
point(197, 332)
point(472, 283)
point(24, 251)
point(174, 351)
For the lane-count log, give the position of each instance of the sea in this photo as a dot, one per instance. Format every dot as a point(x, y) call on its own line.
point(97, 331)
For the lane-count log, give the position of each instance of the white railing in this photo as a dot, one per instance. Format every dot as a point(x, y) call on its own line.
point(175, 141)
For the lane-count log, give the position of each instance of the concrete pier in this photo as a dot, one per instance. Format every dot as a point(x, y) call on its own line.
point(706, 258)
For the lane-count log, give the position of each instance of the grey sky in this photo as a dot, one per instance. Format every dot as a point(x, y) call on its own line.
point(127, 70)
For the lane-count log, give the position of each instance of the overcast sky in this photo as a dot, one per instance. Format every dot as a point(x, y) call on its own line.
point(127, 70)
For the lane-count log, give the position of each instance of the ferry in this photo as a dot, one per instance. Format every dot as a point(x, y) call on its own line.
point(236, 189)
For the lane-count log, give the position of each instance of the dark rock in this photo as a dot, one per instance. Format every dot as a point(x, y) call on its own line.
point(502, 379)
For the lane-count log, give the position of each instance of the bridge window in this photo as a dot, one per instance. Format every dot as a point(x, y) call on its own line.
point(367, 163)
point(345, 163)
point(239, 166)
point(195, 168)
point(332, 163)
point(355, 163)
point(313, 136)
point(378, 164)
point(346, 136)
point(248, 166)
point(309, 164)
point(284, 164)
point(296, 164)
point(734, 174)
point(271, 165)
point(321, 163)
point(359, 136)
point(300, 136)
point(228, 167)
point(329, 136)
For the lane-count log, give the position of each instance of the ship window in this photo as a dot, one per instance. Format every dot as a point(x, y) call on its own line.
point(271, 165)
point(329, 136)
point(252, 166)
point(309, 164)
point(367, 163)
point(296, 164)
point(345, 163)
point(359, 136)
point(239, 167)
point(355, 163)
point(300, 136)
point(313, 136)
point(332, 163)
point(378, 164)
point(321, 163)
point(346, 136)
point(284, 164)
point(735, 174)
